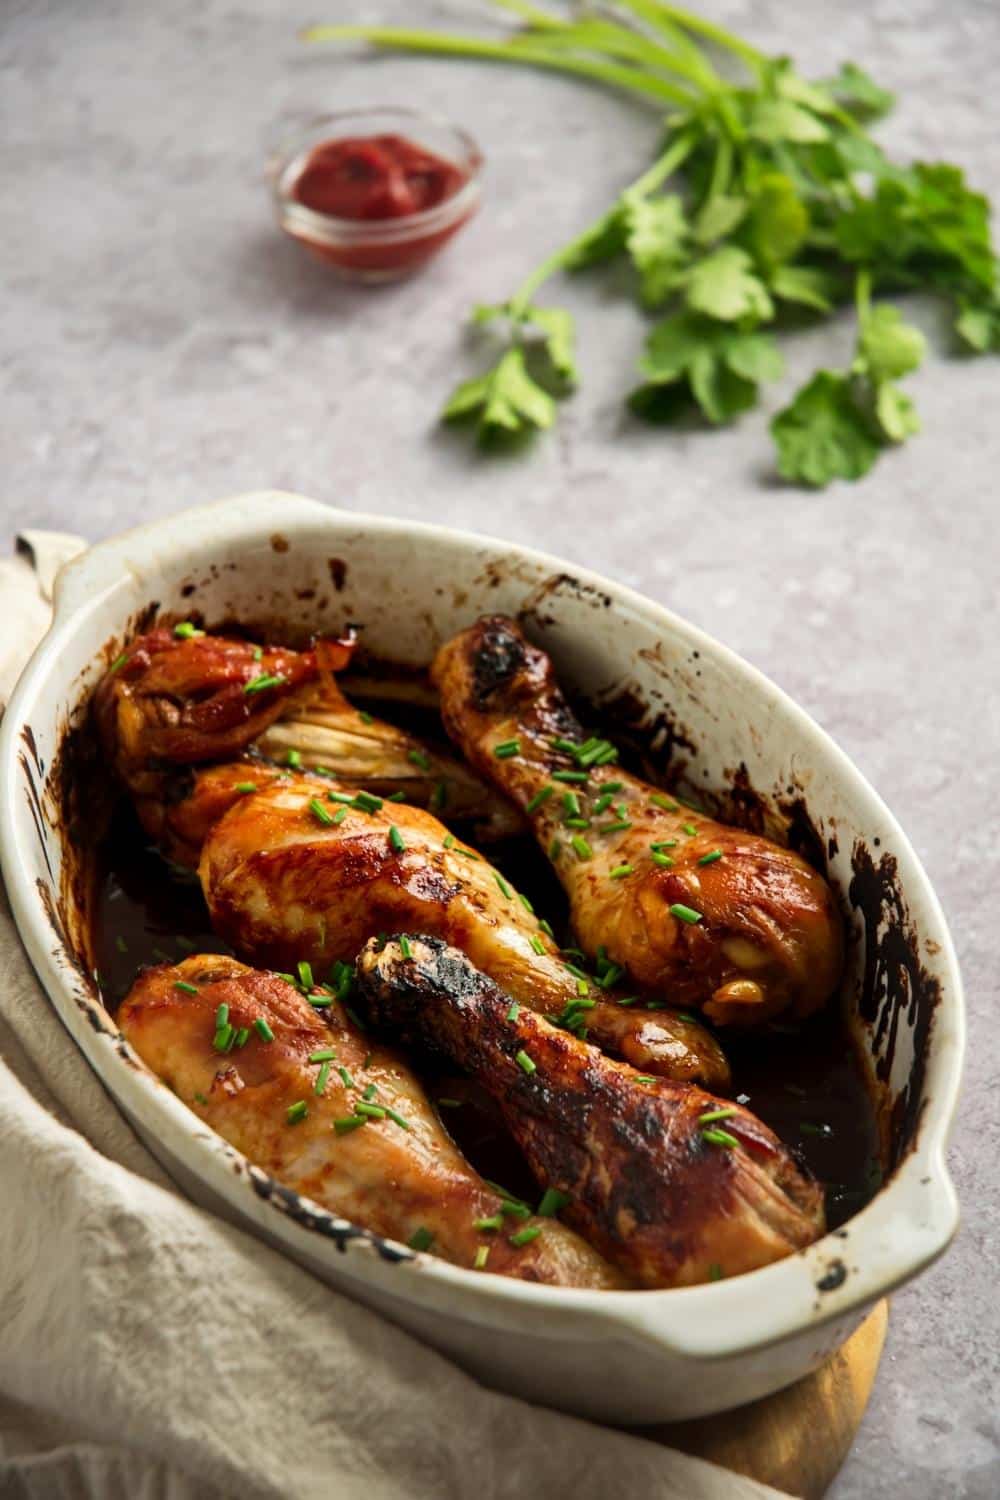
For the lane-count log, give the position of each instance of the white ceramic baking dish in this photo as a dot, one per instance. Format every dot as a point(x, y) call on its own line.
point(624, 1356)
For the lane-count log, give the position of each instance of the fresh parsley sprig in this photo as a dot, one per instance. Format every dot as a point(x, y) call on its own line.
point(768, 202)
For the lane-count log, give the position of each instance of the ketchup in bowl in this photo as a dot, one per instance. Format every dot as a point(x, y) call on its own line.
point(377, 204)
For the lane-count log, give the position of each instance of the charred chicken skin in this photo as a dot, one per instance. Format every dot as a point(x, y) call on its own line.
point(300, 871)
point(702, 913)
point(315, 1104)
point(173, 703)
point(672, 1185)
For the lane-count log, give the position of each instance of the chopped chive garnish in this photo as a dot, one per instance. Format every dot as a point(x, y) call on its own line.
point(603, 802)
point(505, 889)
point(582, 987)
point(581, 848)
point(684, 913)
point(200, 1099)
point(396, 797)
point(514, 1012)
point(264, 681)
point(515, 1210)
point(371, 1089)
point(366, 802)
point(571, 804)
point(186, 631)
point(526, 903)
point(658, 800)
point(396, 839)
point(319, 1001)
point(338, 817)
point(319, 812)
point(258, 653)
point(525, 1236)
point(719, 1137)
point(570, 746)
point(689, 829)
point(439, 796)
point(346, 797)
point(685, 1015)
point(321, 1077)
point(223, 1038)
point(469, 854)
point(537, 944)
point(293, 759)
point(421, 1239)
point(539, 797)
point(182, 984)
point(715, 1271)
point(370, 1111)
point(614, 786)
point(576, 822)
point(663, 844)
point(620, 871)
point(245, 786)
point(323, 1055)
point(348, 1081)
point(305, 974)
point(448, 840)
point(555, 849)
point(349, 1122)
point(506, 749)
point(297, 1112)
point(404, 946)
point(482, 1256)
point(546, 928)
point(118, 663)
point(221, 1016)
point(263, 1030)
point(627, 1000)
point(552, 1201)
point(808, 1127)
point(450, 1103)
point(365, 716)
point(495, 1221)
point(644, 1078)
point(578, 776)
point(573, 969)
point(524, 1062)
point(621, 825)
point(398, 1119)
point(611, 976)
point(715, 1114)
point(663, 860)
point(419, 759)
point(711, 857)
point(242, 1036)
point(288, 978)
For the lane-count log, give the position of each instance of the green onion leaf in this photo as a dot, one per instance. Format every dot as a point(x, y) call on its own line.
point(524, 1062)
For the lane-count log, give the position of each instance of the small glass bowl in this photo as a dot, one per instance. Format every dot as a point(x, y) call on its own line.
point(376, 250)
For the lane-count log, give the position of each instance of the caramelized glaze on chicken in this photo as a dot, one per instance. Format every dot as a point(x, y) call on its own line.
point(705, 914)
point(298, 871)
point(392, 1168)
point(171, 703)
point(672, 1185)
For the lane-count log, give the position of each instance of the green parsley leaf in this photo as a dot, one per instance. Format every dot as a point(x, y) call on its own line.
point(858, 93)
point(656, 237)
point(823, 435)
point(725, 285)
point(719, 216)
point(777, 120)
point(807, 285)
point(779, 220)
point(888, 347)
point(978, 324)
point(505, 399)
point(690, 356)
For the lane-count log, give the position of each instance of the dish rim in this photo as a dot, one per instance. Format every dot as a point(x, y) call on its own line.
point(908, 1223)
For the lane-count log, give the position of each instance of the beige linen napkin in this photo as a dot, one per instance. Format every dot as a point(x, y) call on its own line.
point(150, 1351)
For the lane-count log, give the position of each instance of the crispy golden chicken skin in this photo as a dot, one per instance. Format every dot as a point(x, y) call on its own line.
point(297, 870)
point(705, 914)
point(332, 1115)
point(672, 1185)
point(170, 704)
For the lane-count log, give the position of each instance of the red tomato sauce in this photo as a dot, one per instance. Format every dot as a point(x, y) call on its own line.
point(373, 180)
point(383, 177)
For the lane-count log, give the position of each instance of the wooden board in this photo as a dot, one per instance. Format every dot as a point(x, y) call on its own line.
point(797, 1439)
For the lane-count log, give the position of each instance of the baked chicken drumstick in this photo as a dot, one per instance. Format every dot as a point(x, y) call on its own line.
point(702, 913)
point(296, 866)
point(672, 1185)
point(305, 1096)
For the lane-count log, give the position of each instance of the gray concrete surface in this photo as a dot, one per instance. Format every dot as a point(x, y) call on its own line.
point(164, 345)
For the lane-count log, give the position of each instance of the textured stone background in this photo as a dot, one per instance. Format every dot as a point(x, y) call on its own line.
point(164, 345)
